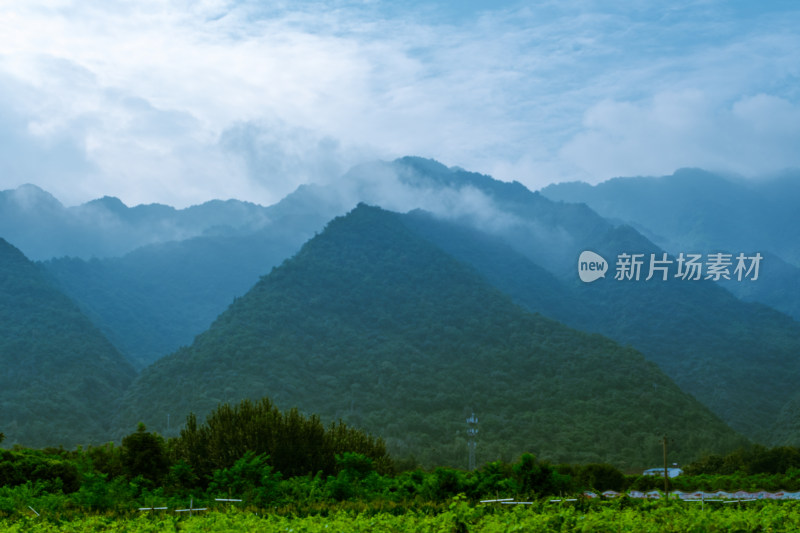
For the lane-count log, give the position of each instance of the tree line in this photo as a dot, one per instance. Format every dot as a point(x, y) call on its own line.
point(293, 463)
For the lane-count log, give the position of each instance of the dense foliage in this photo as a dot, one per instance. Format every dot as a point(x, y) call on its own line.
point(459, 517)
point(253, 467)
point(60, 379)
point(93, 489)
point(295, 444)
point(737, 358)
point(373, 325)
point(751, 460)
point(268, 458)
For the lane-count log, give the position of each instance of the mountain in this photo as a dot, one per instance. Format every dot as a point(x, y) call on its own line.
point(39, 225)
point(546, 232)
point(698, 211)
point(152, 300)
point(778, 286)
point(61, 380)
point(737, 358)
point(157, 298)
point(375, 325)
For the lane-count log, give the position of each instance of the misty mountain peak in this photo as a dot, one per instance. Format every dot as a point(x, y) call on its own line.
point(29, 197)
point(37, 223)
point(109, 203)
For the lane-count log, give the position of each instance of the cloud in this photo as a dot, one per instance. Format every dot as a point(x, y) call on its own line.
point(752, 136)
point(181, 102)
point(281, 157)
point(29, 150)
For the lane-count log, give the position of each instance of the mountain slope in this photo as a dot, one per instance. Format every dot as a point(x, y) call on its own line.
point(546, 232)
point(739, 359)
point(373, 324)
point(159, 297)
point(61, 380)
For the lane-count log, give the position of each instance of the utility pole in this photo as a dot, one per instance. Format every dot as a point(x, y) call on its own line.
point(472, 433)
point(666, 478)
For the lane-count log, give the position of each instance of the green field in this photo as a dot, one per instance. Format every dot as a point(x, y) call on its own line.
point(461, 516)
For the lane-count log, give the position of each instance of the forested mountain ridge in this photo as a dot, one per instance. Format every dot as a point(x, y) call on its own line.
point(372, 324)
point(61, 380)
point(159, 297)
point(545, 231)
point(738, 358)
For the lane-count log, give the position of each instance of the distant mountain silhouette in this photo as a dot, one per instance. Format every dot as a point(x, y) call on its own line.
point(39, 225)
point(698, 211)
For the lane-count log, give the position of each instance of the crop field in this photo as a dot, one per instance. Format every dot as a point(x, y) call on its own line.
point(460, 516)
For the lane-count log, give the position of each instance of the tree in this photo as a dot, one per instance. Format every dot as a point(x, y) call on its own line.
point(143, 454)
point(601, 477)
point(295, 444)
point(533, 477)
point(250, 478)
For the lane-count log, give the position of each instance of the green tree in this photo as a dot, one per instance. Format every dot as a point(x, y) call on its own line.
point(181, 478)
point(601, 477)
point(250, 478)
point(356, 466)
point(295, 444)
point(144, 454)
point(533, 477)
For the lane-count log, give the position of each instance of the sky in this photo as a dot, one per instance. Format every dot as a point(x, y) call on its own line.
point(180, 102)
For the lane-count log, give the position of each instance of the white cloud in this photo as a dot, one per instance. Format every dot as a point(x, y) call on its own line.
point(180, 102)
point(753, 136)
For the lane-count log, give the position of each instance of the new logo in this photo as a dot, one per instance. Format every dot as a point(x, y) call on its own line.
point(591, 266)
